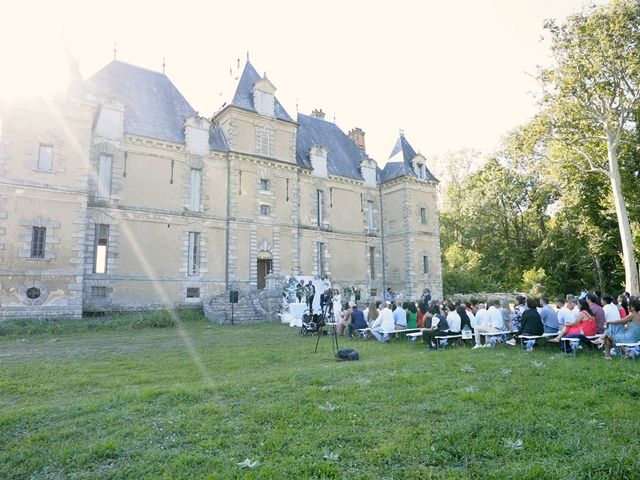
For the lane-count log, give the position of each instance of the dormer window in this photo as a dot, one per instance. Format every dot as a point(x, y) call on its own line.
point(421, 172)
point(318, 156)
point(110, 120)
point(263, 97)
point(196, 132)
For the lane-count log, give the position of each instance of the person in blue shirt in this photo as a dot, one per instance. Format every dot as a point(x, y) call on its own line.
point(400, 316)
point(357, 320)
point(549, 317)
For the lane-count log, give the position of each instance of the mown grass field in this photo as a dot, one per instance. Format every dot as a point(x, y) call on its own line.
point(127, 400)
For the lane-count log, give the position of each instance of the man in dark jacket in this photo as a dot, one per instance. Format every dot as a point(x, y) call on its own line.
point(357, 320)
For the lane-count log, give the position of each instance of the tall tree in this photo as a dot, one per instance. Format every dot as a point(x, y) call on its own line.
point(592, 95)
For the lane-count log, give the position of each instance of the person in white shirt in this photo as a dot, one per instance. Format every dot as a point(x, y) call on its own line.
point(496, 315)
point(568, 312)
point(383, 324)
point(486, 322)
point(611, 311)
point(453, 320)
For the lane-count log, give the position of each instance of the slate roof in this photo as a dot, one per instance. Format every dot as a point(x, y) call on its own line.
point(217, 140)
point(405, 167)
point(243, 97)
point(154, 106)
point(343, 157)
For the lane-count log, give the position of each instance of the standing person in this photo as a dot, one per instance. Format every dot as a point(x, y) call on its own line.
point(598, 312)
point(300, 291)
point(337, 305)
point(383, 324)
point(311, 293)
point(426, 296)
point(549, 317)
point(412, 314)
point(530, 323)
point(400, 317)
point(389, 295)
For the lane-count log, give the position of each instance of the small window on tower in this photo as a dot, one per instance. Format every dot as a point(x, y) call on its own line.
point(264, 185)
point(45, 157)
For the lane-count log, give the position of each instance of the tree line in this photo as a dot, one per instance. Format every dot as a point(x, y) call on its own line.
point(556, 209)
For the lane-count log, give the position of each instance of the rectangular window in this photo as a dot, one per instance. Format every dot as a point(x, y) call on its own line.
point(319, 207)
point(372, 262)
point(196, 190)
point(104, 177)
point(264, 185)
point(425, 264)
point(193, 292)
point(38, 241)
point(320, 254)
point(264, 144)
point(101, 246)
point(99, 292)
point(194, 254)
point(45, 157)
point(372, 228)
point(265, 211)
point(423, 216)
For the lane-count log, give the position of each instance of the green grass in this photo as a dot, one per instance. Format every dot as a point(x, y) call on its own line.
point(193, 400)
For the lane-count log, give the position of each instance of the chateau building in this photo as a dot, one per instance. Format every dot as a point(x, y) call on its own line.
point(118, 195)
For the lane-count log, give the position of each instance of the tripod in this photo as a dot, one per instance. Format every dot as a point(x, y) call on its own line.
point(334, 340)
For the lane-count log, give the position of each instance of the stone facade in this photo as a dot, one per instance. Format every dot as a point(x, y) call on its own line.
point(100, 211)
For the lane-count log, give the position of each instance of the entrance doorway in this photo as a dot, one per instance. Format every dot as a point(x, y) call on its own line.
point(264, 267)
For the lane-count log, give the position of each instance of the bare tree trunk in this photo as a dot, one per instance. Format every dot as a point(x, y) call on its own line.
point(600, 273)
point(628, 256)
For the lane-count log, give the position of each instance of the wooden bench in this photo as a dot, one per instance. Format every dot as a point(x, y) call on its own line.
point(439, 339)
point(577, 340)
point(404, 330)
point(415, 335)
point(364, 332)
point(494, 334)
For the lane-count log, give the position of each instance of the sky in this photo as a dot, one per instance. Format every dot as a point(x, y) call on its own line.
point(454, 74)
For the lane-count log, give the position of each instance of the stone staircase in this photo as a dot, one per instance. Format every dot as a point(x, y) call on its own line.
point(252, 307)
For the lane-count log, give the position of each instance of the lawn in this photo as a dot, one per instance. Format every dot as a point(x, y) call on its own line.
point(127, 399)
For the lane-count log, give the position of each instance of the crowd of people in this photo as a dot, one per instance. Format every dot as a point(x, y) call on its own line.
point(599, 321)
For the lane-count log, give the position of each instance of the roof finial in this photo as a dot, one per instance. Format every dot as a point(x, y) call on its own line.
point(163, 65)
point(247, 55)
point(115, 50)
point(401, 132)
point(296, 105)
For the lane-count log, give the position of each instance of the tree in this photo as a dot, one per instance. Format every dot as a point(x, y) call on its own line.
point(592, 96)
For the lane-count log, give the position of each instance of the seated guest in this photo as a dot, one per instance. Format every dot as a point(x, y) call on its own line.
point(495, 314)
point(623, 330)
point(422, 310)
point(530, 322)
point(549, 317)
point(435, 325)
point(485, 323)
point(470, 313)
point(583, 326)
point(567, 311)
point(357, 320)
point(610, 308)
point(400, 316)
point(412, 314)
point(465, 321)
point(598, 312)
point(383, 324)
point(507, 315)
point(624, 303)
point(371, 313)
point(345, 319)
point(453, 320)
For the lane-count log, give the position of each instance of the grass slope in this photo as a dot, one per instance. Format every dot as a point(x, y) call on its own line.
point(193, 400)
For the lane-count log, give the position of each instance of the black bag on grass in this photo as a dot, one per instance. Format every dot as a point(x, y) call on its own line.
point(347, 354)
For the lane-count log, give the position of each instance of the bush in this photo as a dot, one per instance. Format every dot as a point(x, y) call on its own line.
point(133, 321)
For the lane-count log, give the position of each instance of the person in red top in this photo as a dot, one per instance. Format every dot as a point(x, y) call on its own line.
point(582, 327)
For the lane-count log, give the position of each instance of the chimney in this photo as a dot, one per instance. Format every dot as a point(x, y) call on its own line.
point(318, 114)
point(357, 135)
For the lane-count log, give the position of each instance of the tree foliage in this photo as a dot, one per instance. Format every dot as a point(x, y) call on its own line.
point(559, 204)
